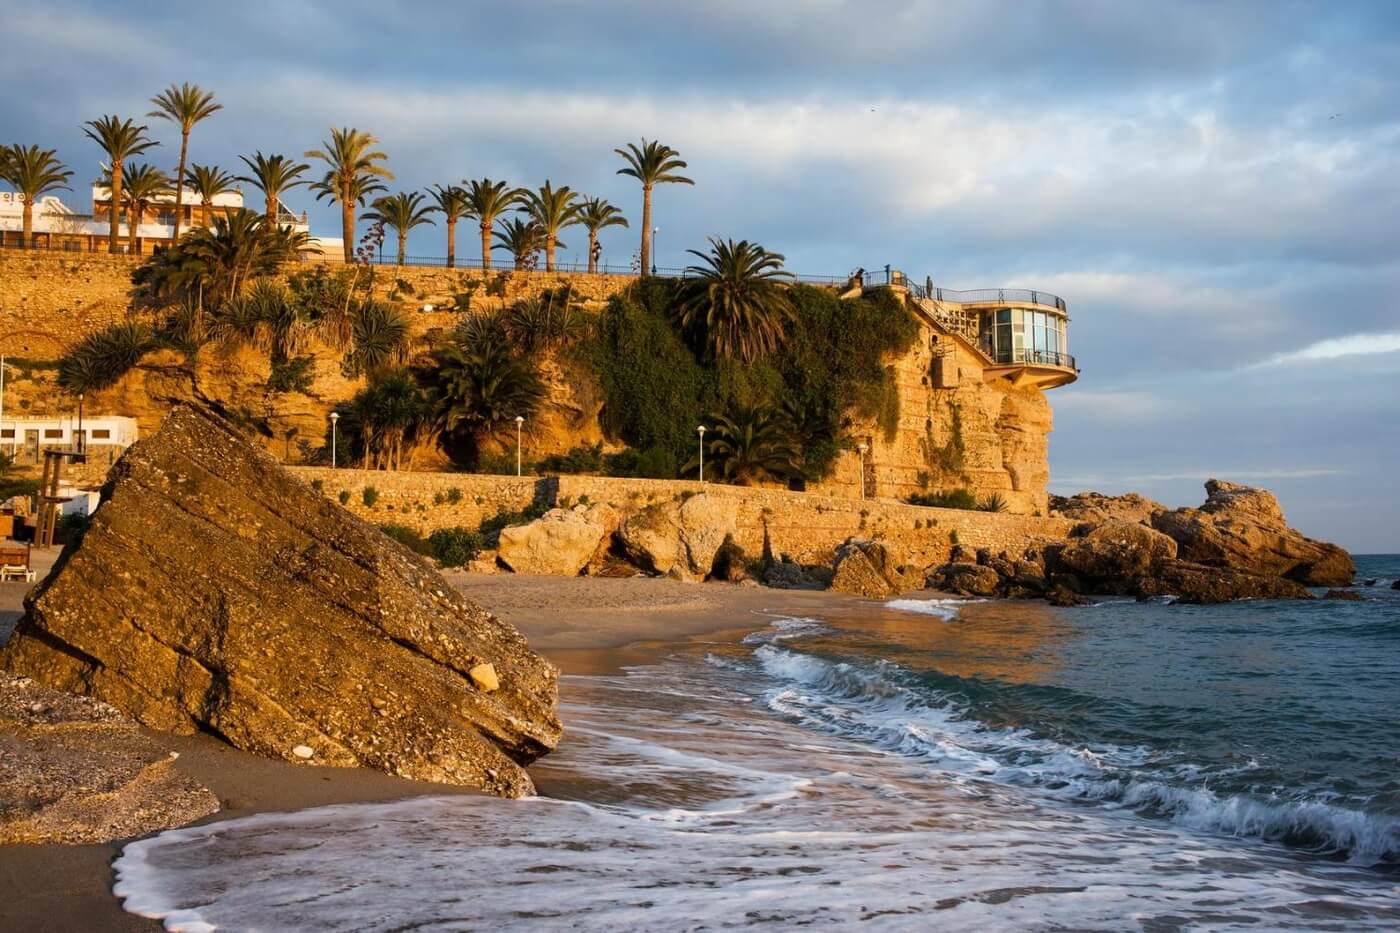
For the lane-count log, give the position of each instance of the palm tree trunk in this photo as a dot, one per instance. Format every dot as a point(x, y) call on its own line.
point(28, 223)
point(116, 193)
point(206, 216)
point(403, 246)
point(451, 242)
point(180, 182)
point(270, 208)
point(592, 252)
point(485, 245)
point(133, 223)
point(646, 229)
point(347, 221)
point(549, 253)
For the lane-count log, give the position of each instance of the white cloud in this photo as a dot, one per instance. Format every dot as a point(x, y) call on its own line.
point(1338, 347)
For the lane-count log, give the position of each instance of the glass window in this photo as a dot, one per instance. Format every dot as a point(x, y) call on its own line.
point(7, 432)
point(52, 432)
point(101, 433)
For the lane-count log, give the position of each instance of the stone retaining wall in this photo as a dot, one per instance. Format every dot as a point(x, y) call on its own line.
point(806, 526)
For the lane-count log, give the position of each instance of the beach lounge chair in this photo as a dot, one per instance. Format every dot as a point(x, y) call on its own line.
point(14, 564)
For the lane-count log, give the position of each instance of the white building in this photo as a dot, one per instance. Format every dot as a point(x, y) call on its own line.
point(26, 437)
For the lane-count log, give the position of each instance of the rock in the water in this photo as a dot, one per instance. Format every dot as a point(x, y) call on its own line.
point(74, 770)
point(1395, 585)
point(560, 542)
point(1345, 595)
point(966, 579)
point(1096, 508)
point(213, 590)
point(1243, 528)
point(1197, 583)
point(1064, 596)
point(1114, 551)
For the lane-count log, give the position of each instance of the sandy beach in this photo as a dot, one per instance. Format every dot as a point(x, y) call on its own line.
point(585, 625)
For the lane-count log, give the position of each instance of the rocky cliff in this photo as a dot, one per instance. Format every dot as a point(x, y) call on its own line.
point(215, 591)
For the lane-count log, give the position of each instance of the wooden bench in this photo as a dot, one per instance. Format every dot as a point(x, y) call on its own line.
point(14, 564)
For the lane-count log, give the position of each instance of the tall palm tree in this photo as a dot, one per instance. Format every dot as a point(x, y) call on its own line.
point(272, 175)
point(594, 215)
point(489, 199)
point(453, 204)
point(121, 140)
point(185, 105)
point(553, 210)
point(403, 212)
point(735, 303)
point(480, 385)
point(652, 164)
point(354, 174)
point(748, 446)
point(144, 186)
point(34, 172)
point(207, 181)
point(522, 239)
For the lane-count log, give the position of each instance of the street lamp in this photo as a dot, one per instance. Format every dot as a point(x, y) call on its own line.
point(15, 436)
point(654, 232)
point(701, 431)
point(335, 416)
point(860, 449)
point(82, 439)
point(519, 422)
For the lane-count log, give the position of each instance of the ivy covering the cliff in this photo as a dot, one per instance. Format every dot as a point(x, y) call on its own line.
point(832, 366)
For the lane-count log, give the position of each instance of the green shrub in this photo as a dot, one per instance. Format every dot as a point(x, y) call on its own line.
point(454, 547)
point(319, 485)
point(948, 499)
point(493, 525)
point(294, 375)
point(584, 458)
point(344, 497)
point(996, 502)
point(369, 496)
point(408, 538)
point(454, 495)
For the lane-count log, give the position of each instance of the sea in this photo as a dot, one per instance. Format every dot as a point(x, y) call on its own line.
point(917, 764)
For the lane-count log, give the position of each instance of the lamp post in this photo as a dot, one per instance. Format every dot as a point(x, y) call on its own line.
point(654, 232)
point(860, 449)
point(82, 438)
point(519, 423)
point(335, 417)
point(2, 404)
point(701, 431)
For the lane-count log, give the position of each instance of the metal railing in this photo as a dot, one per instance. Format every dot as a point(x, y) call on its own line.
point(890, 276)
point(1034, 358)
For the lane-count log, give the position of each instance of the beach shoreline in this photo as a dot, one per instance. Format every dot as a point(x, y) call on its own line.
point(585, 625)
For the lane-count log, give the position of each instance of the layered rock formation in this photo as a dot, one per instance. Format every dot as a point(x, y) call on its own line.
point(215, 591)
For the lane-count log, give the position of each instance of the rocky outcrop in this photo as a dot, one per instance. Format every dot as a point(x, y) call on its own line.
point(1115, 550)
point(1096, 508)
point(874, 569)
point(561, 542)
point(679, 539)
point(1187, 582)
point(1243, 528)
point(215, 591)
point(966, 579)
point(74, 770)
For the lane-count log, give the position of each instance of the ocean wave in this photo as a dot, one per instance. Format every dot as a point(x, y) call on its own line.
point(786, 628)
point(869, 703)
point(945, 609)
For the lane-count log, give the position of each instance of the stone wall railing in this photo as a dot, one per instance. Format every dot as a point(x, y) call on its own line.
point(806, 526)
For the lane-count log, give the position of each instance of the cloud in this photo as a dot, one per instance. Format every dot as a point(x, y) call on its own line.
point(1337, 347)
point(1111, 405)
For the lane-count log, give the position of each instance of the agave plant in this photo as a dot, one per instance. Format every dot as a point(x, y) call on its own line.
point(735, 304)
point(265, 317)
point(551, 320)
point(652, 164)
point(379, 340)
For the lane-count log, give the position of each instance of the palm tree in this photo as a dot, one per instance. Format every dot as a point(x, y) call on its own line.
point(522, 239)
point(594, 215)
point(211, 264)
point(403, 212)
point(207, 181)
point(480, 385)
point(653, 164)
point(748, 446)
point(353, 175)
point(144, 186)
point(488, 200)
point(453, 204)
point(120, 139)
point(185, 105)
point(272, 175)
point(552, 210)
point(33, 172)
point(735, 302)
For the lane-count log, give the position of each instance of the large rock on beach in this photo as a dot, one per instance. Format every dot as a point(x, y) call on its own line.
point(561, 542)
point(214, 591)
point(679, 539)
point(1243, 528)
point(873, 568)
point(1115, 550)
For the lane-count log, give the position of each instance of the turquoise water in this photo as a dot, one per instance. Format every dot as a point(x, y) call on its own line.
point(913, 765)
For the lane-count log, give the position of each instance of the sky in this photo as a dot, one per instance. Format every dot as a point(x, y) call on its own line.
point(1213, 187)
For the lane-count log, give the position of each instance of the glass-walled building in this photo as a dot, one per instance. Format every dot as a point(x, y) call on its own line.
point(1022, 335)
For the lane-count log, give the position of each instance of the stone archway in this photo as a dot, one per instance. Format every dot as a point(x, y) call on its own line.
point(32, 345)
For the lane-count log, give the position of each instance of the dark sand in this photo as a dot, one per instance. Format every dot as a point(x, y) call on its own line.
point(585, 625)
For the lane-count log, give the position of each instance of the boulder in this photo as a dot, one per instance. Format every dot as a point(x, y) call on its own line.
point(679, 539)
point(1196, 583)
point(856, 574)
point(1064, 596)
point(873, 568)
point(704, 523)
point(965, 579)
point(561, 542)
point(1095, 508)
point(731, 564)
point(215, 591)
point(650, 537)
point(1114, 551)
point(1345, 595)
point(1243, 528)
point(74, 770)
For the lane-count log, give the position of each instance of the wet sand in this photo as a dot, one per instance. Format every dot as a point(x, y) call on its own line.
point(585, 625)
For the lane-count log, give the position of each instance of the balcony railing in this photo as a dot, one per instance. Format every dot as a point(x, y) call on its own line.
point(1027, 357)
point(888, 276)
